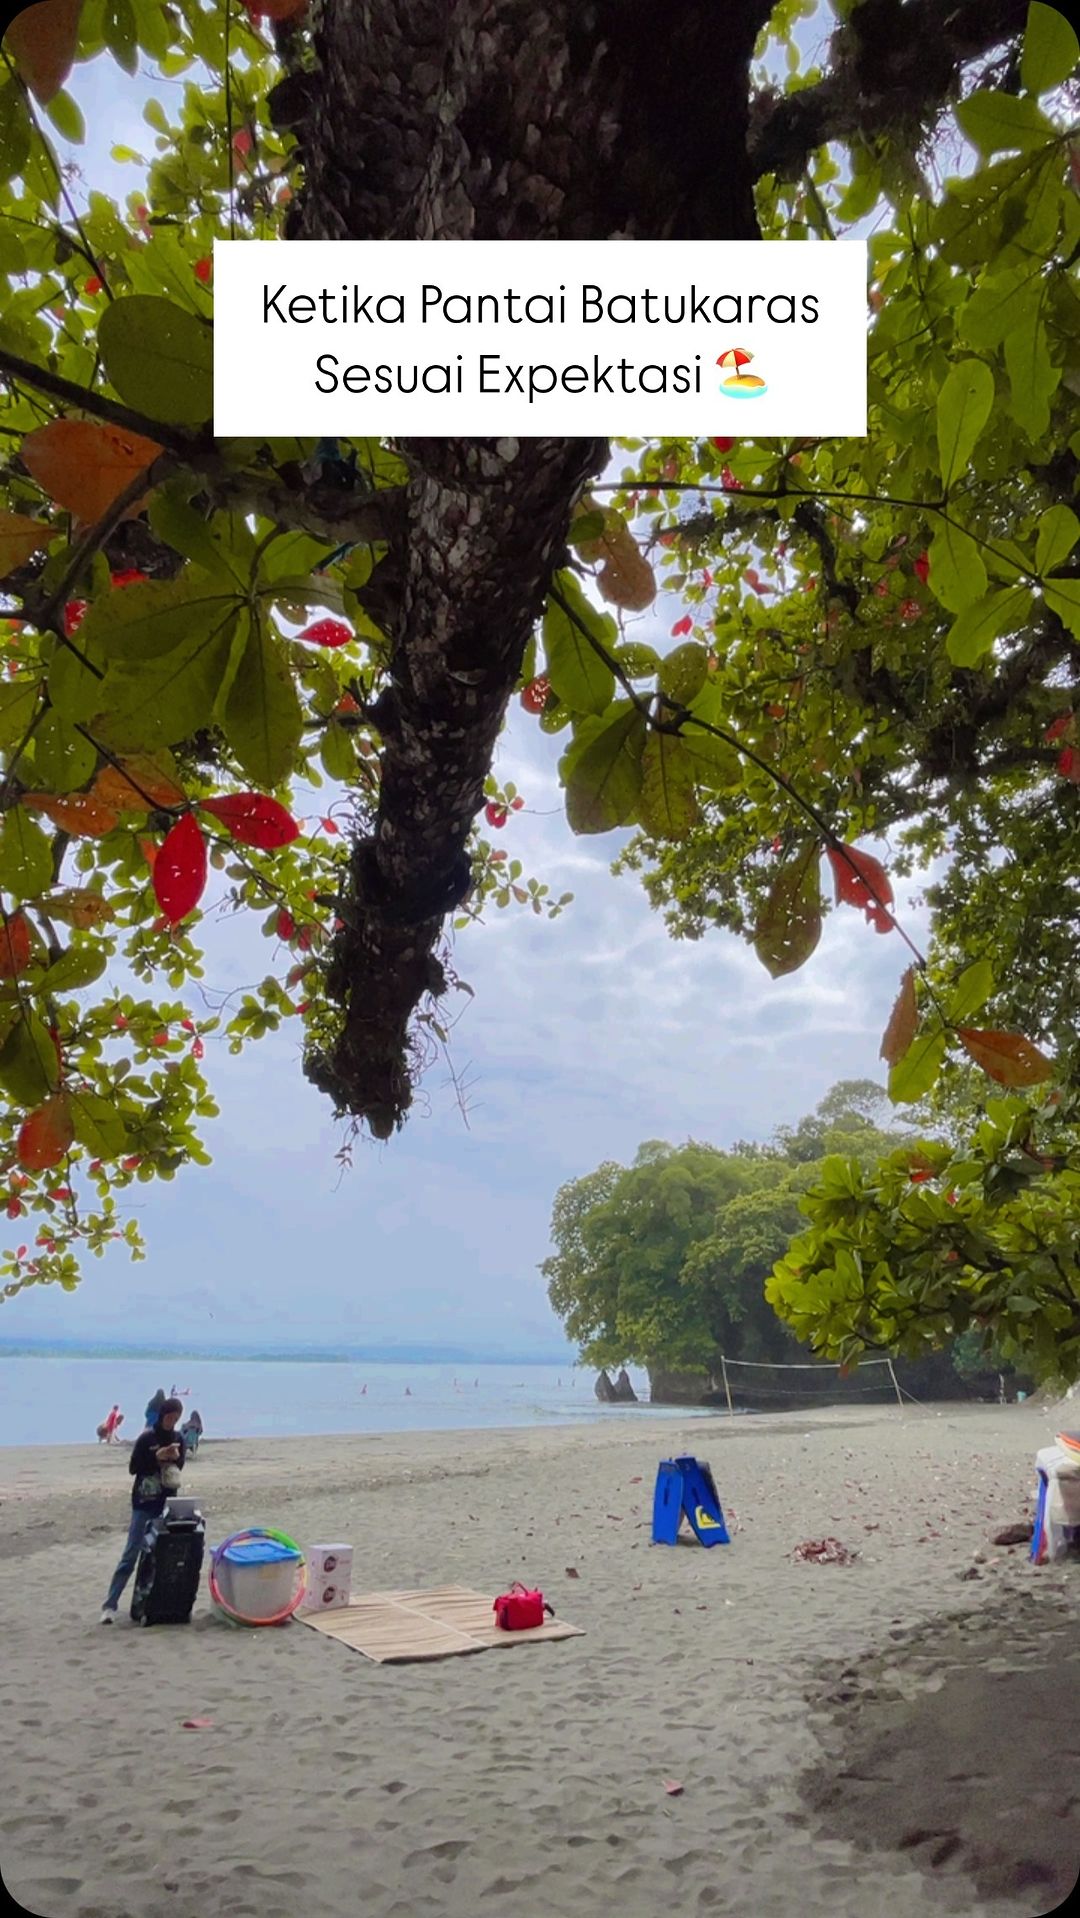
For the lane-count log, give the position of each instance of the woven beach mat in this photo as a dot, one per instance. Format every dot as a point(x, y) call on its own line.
point(400, 1628)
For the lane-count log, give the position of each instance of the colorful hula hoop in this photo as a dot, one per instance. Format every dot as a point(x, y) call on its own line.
point(241, 1538)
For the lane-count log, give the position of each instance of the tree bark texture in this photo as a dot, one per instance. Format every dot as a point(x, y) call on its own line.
point(489, 119)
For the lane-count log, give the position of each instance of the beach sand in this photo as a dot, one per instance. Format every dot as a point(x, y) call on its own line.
point(884, 1739)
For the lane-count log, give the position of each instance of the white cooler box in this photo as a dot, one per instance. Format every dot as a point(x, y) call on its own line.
point(329, 1577)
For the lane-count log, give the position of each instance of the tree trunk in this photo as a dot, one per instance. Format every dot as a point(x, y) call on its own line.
point(490, 119)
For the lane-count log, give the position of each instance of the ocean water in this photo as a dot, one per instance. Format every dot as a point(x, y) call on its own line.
point(60, 1401)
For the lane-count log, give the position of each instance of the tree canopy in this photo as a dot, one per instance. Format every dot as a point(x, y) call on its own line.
point(663, 1263)
point(210, 641)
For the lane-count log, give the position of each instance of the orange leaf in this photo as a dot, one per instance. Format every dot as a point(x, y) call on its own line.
point(84, 466)
point(14, 945)
point(79, 814)
point(79, 907)
point(42, 40)
point(903, 1021)
point(19, 537)
point(861, 880)
point(136, 785)
point(1006, 1056)
point(45, 1135)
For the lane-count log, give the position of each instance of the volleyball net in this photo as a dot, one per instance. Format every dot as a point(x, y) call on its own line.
point(764, 1385)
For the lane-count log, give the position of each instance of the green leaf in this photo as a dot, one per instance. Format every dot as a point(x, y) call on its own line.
point(1063, 598)
point(583, 681)
point(263, 719)
point(15, 131)
point(683, 672)
point(63, 757)
point(717, 764)
point(637, 660)
point(338, 752)
point(987, 318)
point(603, 780)
point(162, 699)
point(957, 574)
point(159, 358)
point(997, 122)
point(972, 990)
point(29, 1067)
point(1051, 49)
point(79, 966)
point(974, 633)
point(913, 1076)
point(121, 34)
point(18, 704)
point(208, 543)
point(789, 925)
point(669, 805)
point(26, 856)
point(67, 118)
point(1059, 530)
point(586, 529)
point(963, 408)
point(148, 621)
point(1033, 378)
point(98, 1125)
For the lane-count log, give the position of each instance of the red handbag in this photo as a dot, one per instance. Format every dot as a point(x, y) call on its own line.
point(519, 1610)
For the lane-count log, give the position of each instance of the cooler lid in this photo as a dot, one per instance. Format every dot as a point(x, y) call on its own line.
point(259, 1551)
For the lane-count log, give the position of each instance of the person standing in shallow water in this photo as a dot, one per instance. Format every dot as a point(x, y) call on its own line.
point(156, 1462)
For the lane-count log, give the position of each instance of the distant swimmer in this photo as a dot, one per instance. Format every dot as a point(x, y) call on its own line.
point(363, 1390)
point(408, 1391)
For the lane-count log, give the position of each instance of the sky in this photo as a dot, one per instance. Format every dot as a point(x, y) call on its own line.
point(586, 1036)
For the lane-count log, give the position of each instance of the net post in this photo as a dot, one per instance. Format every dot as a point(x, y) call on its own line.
point(727, 1388)
point(896, 1386)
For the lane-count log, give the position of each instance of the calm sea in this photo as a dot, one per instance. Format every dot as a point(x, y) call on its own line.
point(60, 1401)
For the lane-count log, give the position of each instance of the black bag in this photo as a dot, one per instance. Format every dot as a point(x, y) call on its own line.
point(167, 1579)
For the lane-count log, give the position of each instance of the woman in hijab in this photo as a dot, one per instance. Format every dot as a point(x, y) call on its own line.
point(155, 1406)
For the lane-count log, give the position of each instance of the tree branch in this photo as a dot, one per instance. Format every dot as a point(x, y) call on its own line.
point(894, 65)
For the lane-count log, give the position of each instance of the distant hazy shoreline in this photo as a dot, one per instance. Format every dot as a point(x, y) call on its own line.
point(287, 1355)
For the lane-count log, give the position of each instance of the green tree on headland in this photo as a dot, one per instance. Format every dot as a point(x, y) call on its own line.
point(877, 637)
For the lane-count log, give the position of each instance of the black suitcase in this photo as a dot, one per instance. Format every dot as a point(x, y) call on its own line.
point(167, 1579)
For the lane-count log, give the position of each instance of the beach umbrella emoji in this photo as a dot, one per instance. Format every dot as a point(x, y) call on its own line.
point(739, 384)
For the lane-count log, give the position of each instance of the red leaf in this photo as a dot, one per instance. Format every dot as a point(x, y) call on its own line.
point(1068, 764)
point(42, 40)
point(495, 815)
point(180, 869)
point(1060, 729)
point(93, 285)
point(327, 632)
point(45, 1135)
point(330, 825)
point(682, 626)
point(733, 485)
point(286, 924)
point(723, 444)
point(862, 881)
point(672, 1787)
point(74, 614)
point(254, 819)
point(535, 696)
point(922, 567)
point(14, 945)
point(203, 269)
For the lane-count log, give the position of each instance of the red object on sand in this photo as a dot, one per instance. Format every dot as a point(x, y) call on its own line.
point(520, 1610)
